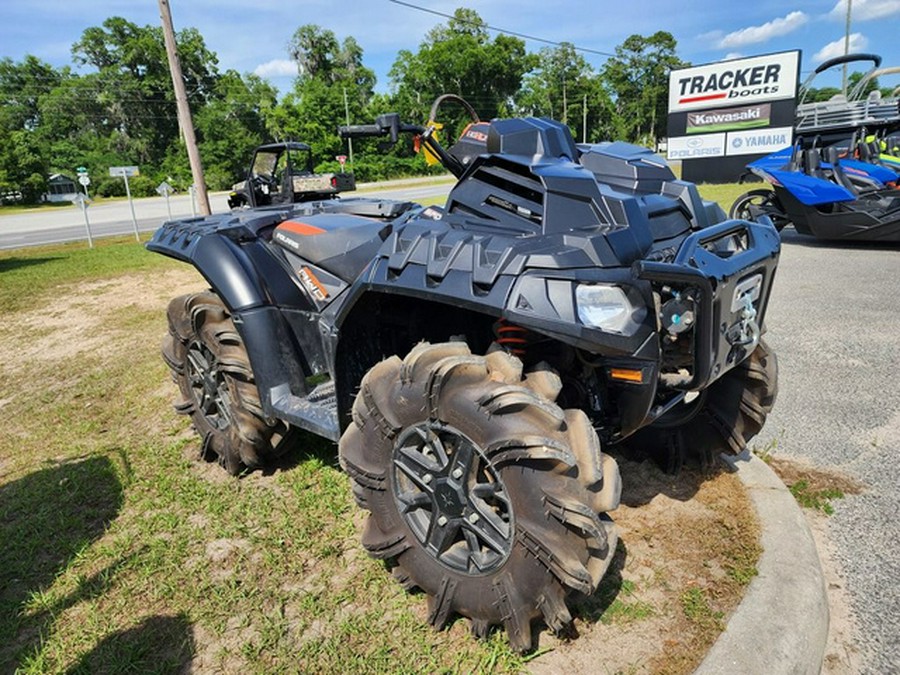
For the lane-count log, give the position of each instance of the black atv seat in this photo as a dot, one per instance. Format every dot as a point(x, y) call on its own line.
point(338, 243)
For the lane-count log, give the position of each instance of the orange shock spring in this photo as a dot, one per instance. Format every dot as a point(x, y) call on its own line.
point(512, 338)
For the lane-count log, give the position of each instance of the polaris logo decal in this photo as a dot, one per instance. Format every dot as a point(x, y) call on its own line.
point(730, 84)
point(724, 119)
point(688, 147)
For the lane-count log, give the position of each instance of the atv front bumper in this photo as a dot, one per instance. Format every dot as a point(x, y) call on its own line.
point(727, 271)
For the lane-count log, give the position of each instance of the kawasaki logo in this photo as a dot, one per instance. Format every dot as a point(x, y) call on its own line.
point(724, 119)
point(730, 84)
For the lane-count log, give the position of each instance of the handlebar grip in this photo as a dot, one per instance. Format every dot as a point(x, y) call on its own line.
point(360, 130)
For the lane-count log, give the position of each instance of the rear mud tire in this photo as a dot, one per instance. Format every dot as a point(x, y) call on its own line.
point(482, 491)
point(722, 419)
point(210, 365)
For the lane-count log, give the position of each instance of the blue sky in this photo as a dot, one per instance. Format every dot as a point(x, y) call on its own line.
point(252, 35)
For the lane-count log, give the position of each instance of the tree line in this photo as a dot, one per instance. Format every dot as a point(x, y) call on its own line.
point(122, 112)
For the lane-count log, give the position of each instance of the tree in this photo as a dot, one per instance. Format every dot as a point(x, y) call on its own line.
point(320, 58)
point(230, 125)
point(329, 72)
point(460, 58)
point(565, 87)
point(638, 76)
point(134, 88)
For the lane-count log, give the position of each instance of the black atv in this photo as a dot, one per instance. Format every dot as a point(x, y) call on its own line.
point(474, 360)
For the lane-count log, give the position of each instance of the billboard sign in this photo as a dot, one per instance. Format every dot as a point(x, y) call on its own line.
point(722, 114)
point(751, 80)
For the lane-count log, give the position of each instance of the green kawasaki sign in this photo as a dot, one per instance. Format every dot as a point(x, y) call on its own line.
point(727, 119)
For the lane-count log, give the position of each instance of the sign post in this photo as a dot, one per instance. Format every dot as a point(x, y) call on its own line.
point(342, 159)
point(125, 172)
point(82, 202)
point(165, 190)
point(84, 179)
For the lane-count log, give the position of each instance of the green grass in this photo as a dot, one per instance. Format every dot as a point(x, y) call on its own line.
point(696, 606)
point(121, 549)
point(725, 194)
point(33, 272)
point(818, 500)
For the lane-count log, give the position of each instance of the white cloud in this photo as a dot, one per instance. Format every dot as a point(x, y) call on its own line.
point(774, 28)
point(732, 55)
point(858, 42)
point(864, 10)
point(276, 68)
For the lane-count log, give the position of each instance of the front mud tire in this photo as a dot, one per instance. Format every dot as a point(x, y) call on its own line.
point(722, 419)
point(209, 363)
point(481, 490)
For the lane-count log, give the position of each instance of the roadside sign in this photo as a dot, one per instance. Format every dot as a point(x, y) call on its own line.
point(342, 159)
point(80, 170)
point(165, 190)
point(123, 171)
point(84, 179)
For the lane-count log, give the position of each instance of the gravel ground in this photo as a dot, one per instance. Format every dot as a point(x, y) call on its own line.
point(834, 321)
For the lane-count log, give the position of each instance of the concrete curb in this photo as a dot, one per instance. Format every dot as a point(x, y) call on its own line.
point(781, 625)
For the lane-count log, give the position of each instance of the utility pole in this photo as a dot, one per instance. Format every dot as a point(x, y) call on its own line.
point(347, 113)
point(846, 46)
point(184, 110)
point(584, 120)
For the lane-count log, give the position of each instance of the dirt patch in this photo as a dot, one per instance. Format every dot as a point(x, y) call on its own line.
point(793, 472)
point(842, 655)
point(688, 548)
point(83, 317)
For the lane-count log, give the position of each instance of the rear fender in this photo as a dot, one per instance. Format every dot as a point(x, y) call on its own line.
point(254, 286)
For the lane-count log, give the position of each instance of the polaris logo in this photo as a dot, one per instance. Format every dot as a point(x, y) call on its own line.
point(686, 147)
point(730, 84)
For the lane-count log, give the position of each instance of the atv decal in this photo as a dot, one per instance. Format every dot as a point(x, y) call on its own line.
point(296, 227)
point(312, 285)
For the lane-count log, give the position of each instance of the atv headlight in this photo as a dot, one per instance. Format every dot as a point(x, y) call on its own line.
point(607, 308)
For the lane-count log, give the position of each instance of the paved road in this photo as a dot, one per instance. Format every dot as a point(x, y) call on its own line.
point(66, 223)
point(834, 321)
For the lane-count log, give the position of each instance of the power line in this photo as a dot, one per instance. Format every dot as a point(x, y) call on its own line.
point(499, 30)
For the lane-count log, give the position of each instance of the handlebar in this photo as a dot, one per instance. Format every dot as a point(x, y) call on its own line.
point(360, 130)
point(389, 124)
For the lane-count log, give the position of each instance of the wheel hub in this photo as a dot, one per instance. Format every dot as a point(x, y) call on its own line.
point(452, 498)
point(207, 385)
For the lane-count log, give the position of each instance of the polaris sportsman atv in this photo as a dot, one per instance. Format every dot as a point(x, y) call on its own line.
point(473, 361)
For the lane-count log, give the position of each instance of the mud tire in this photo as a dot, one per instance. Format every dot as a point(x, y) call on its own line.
point(210, 365)
point(532, 473)
point(722, 419)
